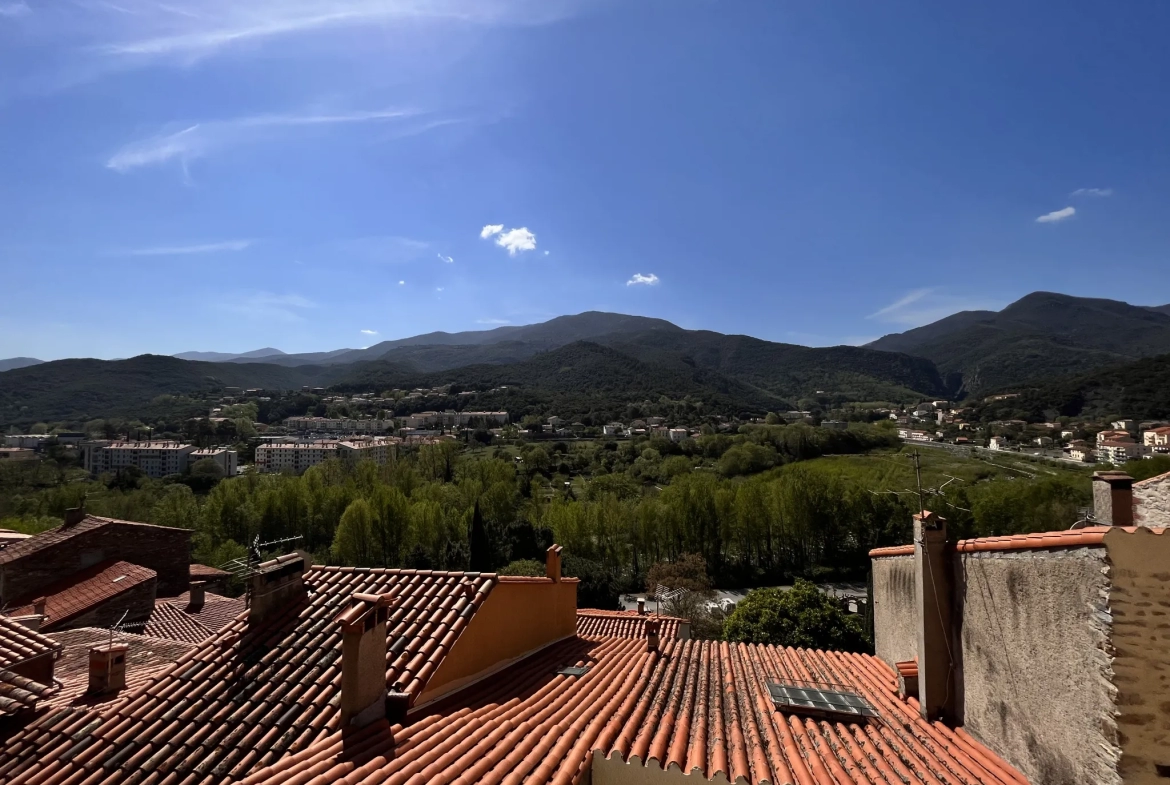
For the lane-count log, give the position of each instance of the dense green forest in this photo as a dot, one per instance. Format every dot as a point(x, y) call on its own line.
point(760, 507)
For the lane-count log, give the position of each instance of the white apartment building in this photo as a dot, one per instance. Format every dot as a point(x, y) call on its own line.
point(452, 419)
point(999, 443)
point(1157, 439)
point(227, 459)
point(154, 459)
point(296, 457)
point(28, 441)
point(915, 436)
point(679, 435)
point(1118, 452)
point(338, 425)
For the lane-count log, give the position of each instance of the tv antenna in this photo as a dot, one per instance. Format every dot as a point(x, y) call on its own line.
point(244, 567)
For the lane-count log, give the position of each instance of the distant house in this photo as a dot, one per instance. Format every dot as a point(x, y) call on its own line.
point(999, 443)
point(1113, 436)
point(1042, 441)
point(613, 429)
point(1118, 451)
point(909, 434)
point(10, 454)
point(1158, 439)
point(1084, 454)
point(1124, 425)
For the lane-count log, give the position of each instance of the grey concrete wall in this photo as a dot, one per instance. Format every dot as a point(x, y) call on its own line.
point(1140, 601)
point(1151, 501)
point(1035, 666)
point(895, 614)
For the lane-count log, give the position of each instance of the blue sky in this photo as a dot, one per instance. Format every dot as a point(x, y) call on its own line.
point(314, 174)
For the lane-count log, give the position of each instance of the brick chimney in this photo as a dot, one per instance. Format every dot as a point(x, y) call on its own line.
point(276, 584)
point(363, 660)
point(75, 515)
point(641, 606)
point(196, 596)
point(552, 563)
point(39, 607)
point(107, 668)
point(935, 584)
point(1113, 498)
point(652, 634)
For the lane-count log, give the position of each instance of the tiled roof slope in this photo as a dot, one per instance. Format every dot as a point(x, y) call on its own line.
point(700, 707)
point(253, 693)
point(19, 694)
point(1068, 538)
point(624, 624)
point(85, 590)
point(19, 644)
point(146, 658)
point(201, 572)
point(61, 534)
point(174, 618)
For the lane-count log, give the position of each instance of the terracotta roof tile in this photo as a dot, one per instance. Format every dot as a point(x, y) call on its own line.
point(19, 644)
point(18, 694)
point(275, 685)
point(1068, 538)
point(59, 535)
point(84, 590)
point(624, 624)
point(174, 618)
point(201, 572)
point(892, 550)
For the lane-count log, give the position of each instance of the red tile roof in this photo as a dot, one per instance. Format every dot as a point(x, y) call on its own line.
point(18, 694)
point(61, 534)
point(892, 550)
point(624, 624)
point(174, 618)
point(201, 572)
point(83, 591)
point(252, 693)
point(146, 658)
point(19, 644)
point(701, 707)
point(1069, 538)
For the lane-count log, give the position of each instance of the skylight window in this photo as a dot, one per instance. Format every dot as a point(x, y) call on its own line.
point(819, 699)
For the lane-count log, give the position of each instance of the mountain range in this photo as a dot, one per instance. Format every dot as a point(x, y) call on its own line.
point(599, 360)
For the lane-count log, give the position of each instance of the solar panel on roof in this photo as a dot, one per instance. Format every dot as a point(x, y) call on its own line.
point(574, 670)
point(818, 699)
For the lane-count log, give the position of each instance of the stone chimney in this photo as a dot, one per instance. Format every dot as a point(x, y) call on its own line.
point(1113, 498)
point(39, 607)
point(363, 660)
point(195, 603)
point(652, 634)
point(641, 606)
point(275, 585)
point(935, 584)
point(107, 668)
point(75, 515)
point(552, 563)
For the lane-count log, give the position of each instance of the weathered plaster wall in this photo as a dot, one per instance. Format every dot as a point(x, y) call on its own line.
point(1151, 501)
point(895, 614)
point(1036, 674)
point(1140, 600)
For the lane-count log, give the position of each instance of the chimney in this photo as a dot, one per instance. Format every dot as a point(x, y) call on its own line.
point(363, 660)
point(934, 582)
point(552, 563)
point(652, 634)
point(196, 594)
point(1113, 498)
point(641, 606)
point(39, 607)
point(276, 584)
point(107, 668)
point(75, 515)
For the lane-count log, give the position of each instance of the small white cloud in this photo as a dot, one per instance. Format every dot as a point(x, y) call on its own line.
point(369, 332)
point(546, 253)
point(1092, 192)
point(492, 321)
point(446, 259)
point(1057, 215)
point(911, 297)
point(646, 280)
point(175, 250)
point(491, 229)
point(402, 283)
point(517, 240)
point(438, 288)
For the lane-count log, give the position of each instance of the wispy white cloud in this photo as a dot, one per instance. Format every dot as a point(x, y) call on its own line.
point(176, 250)
point(266, 305)
point(490, 229)
point(13, 10)
point(492, 321)
point(402, 283)
point(923, 306)
point(1092, 192)
point(446, 259)
point(439, 288)
point(369, 332)
point(643, 280)
point(1057, 215)
point(196, 141)
point(379, 249)
point(517, 241)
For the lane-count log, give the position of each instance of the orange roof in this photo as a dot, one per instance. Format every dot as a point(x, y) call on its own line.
point(701, 707)
point(624, 624)
point(174, 618)
point(201, 572)
point(1067, 538)
point(893, 550)
point(252, 694)
point(85, 590)
point(48, 539)
point(18, 694)
point(20, 644)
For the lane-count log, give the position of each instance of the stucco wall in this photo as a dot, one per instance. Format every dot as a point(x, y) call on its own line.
point(1140, 600)
point(1151, 501)
point(1035, 662)
point(895, 614)
point(516, 618)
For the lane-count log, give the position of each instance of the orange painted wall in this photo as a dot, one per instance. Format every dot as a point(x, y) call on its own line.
point(516, 618)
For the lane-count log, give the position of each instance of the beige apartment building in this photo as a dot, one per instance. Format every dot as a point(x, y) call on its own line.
point(154, 459)
point(296, 457)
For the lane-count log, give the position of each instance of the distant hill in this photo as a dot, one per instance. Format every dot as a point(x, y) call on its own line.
point(18, 362)
point(1139, 389)
point(1040, 336)
point(216, 357)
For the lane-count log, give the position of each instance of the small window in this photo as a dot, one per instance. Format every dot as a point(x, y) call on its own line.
point(819, 699)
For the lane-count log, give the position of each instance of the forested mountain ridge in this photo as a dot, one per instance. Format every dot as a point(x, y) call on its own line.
point(1040, 336)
